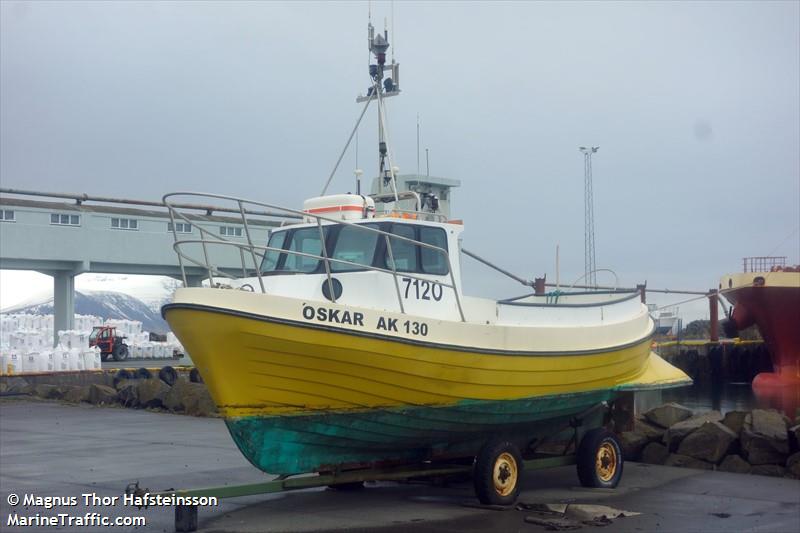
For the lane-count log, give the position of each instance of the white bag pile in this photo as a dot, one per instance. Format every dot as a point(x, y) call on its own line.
point(26, 344)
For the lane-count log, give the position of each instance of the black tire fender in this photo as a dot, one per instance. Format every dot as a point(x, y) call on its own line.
point(168, 375)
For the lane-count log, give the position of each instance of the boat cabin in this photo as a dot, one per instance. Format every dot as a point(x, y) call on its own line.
point(364, 252)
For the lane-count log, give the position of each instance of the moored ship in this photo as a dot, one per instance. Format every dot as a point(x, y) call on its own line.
point(767, 294)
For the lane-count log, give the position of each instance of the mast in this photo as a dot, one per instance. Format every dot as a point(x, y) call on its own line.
point(382, 87)
point(379, 89)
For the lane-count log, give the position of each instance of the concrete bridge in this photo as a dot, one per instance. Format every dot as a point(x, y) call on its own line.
point(64, 235)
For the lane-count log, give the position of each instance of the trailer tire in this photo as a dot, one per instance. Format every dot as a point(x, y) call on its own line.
point(497, 473)
point(599, 459)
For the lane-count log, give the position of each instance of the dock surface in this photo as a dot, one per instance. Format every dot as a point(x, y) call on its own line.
point(53, 449)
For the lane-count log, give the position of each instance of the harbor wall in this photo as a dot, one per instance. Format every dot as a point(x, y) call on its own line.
point(717, 362)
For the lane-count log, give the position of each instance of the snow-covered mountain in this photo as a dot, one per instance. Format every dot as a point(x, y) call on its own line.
point(153, 291)
point(105, 304)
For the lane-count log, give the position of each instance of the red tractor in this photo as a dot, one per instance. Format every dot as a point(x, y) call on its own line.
point(106, 338)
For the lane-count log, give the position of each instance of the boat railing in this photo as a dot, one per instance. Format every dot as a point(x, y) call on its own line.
point(763, 263)
point(257, 252)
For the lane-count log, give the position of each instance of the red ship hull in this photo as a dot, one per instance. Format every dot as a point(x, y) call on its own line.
point(772, 302)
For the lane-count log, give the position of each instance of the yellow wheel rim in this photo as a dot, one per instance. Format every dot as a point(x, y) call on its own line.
point(505, 474)
point(606, 461)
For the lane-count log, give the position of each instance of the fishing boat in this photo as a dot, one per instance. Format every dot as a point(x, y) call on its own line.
point(667, 322)
point(348, 340)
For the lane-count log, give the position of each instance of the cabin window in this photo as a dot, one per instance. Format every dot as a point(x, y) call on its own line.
point(354, 245)
point(304, 240)
point(7, 215)
point(433, 261)
point(270, 262)
point(359, 246)
point(404, 252)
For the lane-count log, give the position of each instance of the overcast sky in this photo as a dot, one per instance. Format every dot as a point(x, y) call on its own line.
point(695, 107)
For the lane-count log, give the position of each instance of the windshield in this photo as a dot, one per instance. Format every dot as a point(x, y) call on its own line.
point(354, 245)
point(93, 334)
point(359, 246)
point(304, 240)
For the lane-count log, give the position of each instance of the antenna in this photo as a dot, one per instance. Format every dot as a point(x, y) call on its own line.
point(427, 164)
point(394, 39)
point(590, 274)
point(417, 144)
point(558, 270)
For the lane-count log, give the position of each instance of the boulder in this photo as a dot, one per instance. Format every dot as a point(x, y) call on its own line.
point(677, 432)
point(668, 414)
point(794, 437)
point(77, 394)
point(198, 401)
point(710, 442)
point(685, 461)
point(759, 450)
point(734, 420)
point(174, 398)
point(124, 382)
point(102, 394)
point(129, 394)
point(770, 425)
point(768, 470)
point(651, 431)
point(632, 444)
point(152, 392)
point(793, 465)
point(654, 454)
point(735, 464)
point(50, 392)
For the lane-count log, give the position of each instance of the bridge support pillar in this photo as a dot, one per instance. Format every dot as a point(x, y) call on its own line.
point(195, 281)
point(63, 303)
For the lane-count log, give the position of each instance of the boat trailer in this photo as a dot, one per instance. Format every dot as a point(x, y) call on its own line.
point(598, 456)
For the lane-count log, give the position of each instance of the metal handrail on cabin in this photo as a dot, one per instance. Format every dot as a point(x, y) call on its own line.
point(293, 213)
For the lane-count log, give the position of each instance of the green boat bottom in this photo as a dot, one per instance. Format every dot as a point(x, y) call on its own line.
point(329, 441)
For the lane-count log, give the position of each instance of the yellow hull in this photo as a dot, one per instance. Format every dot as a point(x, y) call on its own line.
point(258, 366)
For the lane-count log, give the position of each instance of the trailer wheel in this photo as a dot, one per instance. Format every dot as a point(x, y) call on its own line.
point(497, 473)
point(599, 459)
